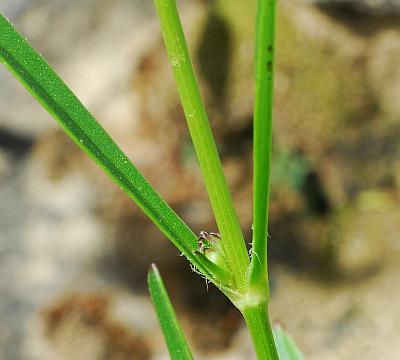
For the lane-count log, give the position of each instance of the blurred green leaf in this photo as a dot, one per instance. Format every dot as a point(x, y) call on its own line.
point(287, 349)
point(173, 335)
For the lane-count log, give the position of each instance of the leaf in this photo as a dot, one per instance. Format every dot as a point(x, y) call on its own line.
point(54, 95)
point(287, 349)
point(173, 335)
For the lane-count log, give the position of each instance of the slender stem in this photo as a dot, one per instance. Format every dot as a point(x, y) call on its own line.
point(221, 202)
point(256, 316)
point(257, 322)
point(262, 137)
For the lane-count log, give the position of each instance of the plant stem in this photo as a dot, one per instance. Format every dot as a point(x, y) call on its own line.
point(262, 138)
point(257, 322)
point(256, 316)
point(221, 202)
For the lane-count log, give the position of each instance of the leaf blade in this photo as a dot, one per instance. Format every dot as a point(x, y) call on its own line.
point(54, 95)
point(287, 348)
point(173, 335)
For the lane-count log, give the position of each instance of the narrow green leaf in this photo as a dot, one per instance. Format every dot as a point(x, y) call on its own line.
point(262, 139)
point(221, 202)
point(287, 349)
point(45, 85)
point(173, 335)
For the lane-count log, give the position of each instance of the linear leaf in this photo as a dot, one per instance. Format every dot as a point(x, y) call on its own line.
point(51, 92)
point(173, 335)
point(287, 348)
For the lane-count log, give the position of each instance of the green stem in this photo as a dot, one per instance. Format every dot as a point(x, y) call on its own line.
point(257, 322)
point(262, 138)
point(232, 241)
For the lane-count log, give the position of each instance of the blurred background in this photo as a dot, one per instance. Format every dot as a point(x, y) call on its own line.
point(74, 250)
